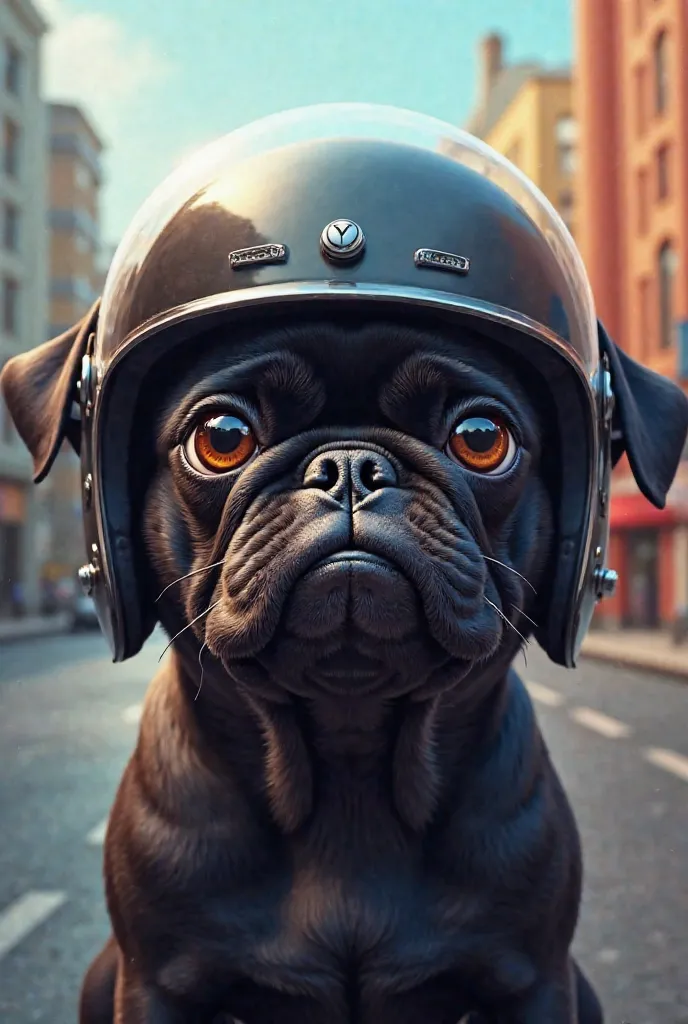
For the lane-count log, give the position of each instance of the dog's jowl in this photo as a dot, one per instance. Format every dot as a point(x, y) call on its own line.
point(346, 421)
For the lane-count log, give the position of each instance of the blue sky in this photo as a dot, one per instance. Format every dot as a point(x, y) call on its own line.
point(161, 77)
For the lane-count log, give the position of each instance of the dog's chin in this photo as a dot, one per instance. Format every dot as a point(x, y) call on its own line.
point(354, 626)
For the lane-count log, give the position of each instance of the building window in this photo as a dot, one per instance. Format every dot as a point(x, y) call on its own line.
point(82, 176)
point(661, 63)
point(666, 272)
point(77, 288)
point(565, 206)
point(663, 184)
point(11, 141)
point(642, 574)
point(10, 305)
point(642, 201)
point(640, 76)
point(566, 133)
point(13, 69)
point(10, 227)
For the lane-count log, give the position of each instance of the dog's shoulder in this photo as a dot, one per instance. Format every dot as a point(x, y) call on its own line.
point(505, 779)
point(172, 795)
point(515, 749)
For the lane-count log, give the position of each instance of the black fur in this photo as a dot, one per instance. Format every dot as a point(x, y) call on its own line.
point(297, 838)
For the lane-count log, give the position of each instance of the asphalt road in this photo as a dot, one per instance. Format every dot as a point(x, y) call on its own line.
point(68, 722)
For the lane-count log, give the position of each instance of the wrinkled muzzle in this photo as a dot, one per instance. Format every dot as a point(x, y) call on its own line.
point(365, 553)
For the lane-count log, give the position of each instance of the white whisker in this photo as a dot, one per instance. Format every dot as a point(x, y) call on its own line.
point(525, 616)
point(187, 626)
point(510, 569)
point(194, 572)
point(200, 662)
point(503, 616)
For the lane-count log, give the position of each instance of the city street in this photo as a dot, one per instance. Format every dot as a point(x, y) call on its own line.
point(68, 719)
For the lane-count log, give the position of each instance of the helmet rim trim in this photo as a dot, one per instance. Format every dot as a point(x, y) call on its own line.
point(270, 295)
point(265, 295)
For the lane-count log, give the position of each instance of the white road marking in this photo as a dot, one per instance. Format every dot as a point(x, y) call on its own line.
point(25, 914)
point(96, 837)
point(132, 714)
point(612, 728)
point(544, 695)
point(670, 761)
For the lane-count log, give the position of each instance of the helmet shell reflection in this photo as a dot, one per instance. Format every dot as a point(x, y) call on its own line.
point(431, 218)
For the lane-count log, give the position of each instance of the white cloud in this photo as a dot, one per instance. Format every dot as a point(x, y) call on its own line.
point(93, 60)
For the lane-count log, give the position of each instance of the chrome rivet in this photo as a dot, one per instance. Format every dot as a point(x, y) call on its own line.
point(86, 386)
point(603, 385)
point(88, 490)
point(342, 240)
point(606, 581)
point(87, 578)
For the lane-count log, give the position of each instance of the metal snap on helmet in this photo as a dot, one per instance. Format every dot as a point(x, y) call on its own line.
point(323, 207)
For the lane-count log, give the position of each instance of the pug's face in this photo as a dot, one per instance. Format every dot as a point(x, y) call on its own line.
point(361, 508)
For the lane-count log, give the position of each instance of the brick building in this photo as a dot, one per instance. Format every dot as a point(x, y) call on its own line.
point(632, 108)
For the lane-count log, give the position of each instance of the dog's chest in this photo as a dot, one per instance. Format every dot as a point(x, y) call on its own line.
point(359, 905)
point(364, 924)
point(318, 934)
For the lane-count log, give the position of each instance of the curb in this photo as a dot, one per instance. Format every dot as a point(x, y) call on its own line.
point(634, 660)
point(14, 631)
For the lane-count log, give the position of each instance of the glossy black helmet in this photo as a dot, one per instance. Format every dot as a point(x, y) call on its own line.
point(333, 205)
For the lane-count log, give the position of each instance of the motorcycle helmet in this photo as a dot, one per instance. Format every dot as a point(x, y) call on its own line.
point(319, 208)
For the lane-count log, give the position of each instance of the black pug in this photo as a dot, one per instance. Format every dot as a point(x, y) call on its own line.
point(340, 808)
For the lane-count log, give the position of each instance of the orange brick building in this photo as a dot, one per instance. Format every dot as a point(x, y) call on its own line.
point(631, 102)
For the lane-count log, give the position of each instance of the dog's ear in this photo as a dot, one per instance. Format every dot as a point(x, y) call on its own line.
point(39, 388)
point(650, 421)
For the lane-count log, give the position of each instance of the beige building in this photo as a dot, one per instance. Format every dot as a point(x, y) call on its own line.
point(23, 284)
point(75, 178)
point(524, 111)
point(75, 282)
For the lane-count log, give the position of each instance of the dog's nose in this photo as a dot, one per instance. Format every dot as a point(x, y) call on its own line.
point(350, 475)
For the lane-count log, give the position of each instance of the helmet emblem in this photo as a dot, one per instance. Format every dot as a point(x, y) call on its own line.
point(342, 240)
point(438, 260)
point(273, 252)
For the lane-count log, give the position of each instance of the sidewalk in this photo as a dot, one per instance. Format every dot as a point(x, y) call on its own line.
point(32, 626)
point(652, 650)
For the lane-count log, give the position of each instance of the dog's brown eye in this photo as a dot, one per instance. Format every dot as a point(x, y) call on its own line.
point(220, 444)
point(482, 444)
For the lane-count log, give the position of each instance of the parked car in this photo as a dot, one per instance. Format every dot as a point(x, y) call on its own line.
point(83, 613)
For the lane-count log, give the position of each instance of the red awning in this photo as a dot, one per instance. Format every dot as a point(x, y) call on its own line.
point(632, 511)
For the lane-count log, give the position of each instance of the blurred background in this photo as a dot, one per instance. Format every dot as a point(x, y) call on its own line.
point(99, 99)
